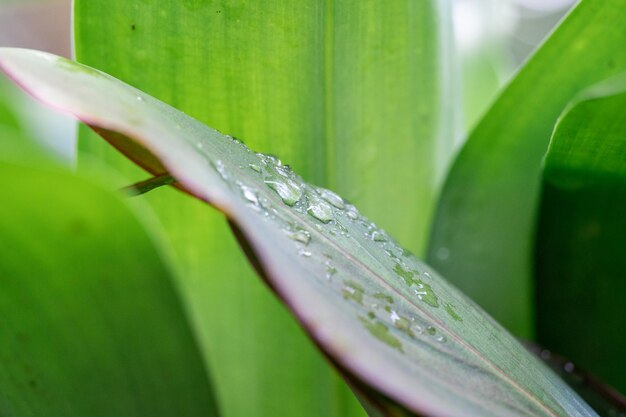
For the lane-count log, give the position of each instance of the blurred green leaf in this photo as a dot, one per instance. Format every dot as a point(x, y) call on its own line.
point(483, 230)
point(388, 320)
point(15, 142)
point(8, 118)
point(582, 234)
point(604, 399)
point(91, 324)
point(340, 89)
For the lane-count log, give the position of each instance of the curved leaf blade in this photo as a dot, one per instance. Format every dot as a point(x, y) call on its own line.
point(582, 233)
point(384, 316)
point(341, 90)
point(91, 324)
point(240, 66)
point(496, 176)
point(339, 76)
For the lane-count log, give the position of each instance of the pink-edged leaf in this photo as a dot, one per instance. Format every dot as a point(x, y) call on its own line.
point(407, 339)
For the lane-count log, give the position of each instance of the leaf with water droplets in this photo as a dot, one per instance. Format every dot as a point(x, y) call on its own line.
point(320, 210)
point(288, 191)
point(332, 198)
point(380, 331)
point(411, 352)
point(581, 233)
point(301, 235)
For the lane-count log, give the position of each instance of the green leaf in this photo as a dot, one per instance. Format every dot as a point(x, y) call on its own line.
point(340, 89)
point(91, 324)
point(9, 120)
point(582, 233)
point(482, 234)
point(605, 400)
point(387, 319)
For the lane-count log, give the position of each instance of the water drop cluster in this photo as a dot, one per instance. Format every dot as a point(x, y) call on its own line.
point(313, 218)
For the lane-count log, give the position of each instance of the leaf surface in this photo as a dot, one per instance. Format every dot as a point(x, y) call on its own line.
point(582, 234)
point(341, 90)
point(387, 319)
point(91, 323)
point(483, 229)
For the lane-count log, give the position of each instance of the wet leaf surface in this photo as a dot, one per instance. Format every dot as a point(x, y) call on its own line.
point(386, 318)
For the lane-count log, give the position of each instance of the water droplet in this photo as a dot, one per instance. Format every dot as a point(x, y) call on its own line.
point(139, 98)
point(441, 339)
point(287, 190)
point(392, 255)
point(383, 296)
point(394, 316)
point(405, 274)
point(265, 202)
point(381, 332)
point(395, 249)
point(423, 291)
point(352, 213)
point(431, 330)
point(332, 198)
point(255, 168)
point(301, 236)
point(283, 170)
point(569, 367)
point(353, 291)
point(221, 169)
point(320, 210)
point(304, 253)
point(269, 159)
point(401, 323)
point(249, 194)
point(450, 310)
point(426, 294)
point(545, 354)
point(342, 229)
point(330, 270)
point(378, 236)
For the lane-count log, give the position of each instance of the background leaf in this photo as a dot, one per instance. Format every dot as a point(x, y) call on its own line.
point(340, 89)
point(8, 118)
point(387, 319)
point(91, 324)
point(582, 234)
point(605, 400)
point(482, 234)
